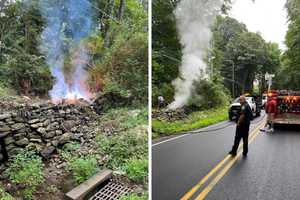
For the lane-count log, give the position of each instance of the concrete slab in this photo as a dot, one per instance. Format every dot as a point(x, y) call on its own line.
point(86, 187)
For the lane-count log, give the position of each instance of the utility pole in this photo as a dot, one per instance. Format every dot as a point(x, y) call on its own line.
point(233, 81)
point(233, 77)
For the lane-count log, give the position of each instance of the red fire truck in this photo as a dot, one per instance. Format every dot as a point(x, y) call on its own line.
point(288, 106)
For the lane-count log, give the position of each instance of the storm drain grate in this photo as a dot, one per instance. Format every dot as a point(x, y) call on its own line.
point(111, 191)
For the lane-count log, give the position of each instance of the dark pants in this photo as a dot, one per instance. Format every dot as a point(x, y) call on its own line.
point(3, 150)
point(241, 132)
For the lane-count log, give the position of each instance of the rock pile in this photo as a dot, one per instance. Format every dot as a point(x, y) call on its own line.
point(170, 115)
point(45, 127)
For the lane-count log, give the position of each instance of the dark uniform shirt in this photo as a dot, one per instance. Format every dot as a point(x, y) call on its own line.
point(246, 110)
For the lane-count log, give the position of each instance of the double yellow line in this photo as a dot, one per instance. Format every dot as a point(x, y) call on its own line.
point(219, 176)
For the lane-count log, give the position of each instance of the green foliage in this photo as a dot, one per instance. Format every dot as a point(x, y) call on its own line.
point(209, 95)
point(133, 196)
point(82, 168)
point(4, 195)
point(21, 65)
point(125, 64)
point(27, 74)
point(166, 52)
point(198, 119)
point(26, 169)
point(137, 170)
point(121, 148)
point(246, 54)
point(288, 77)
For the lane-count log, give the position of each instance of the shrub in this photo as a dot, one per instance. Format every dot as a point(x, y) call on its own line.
point(208, 95)
point(82, 168)
point(137, 170)
point(26, 169)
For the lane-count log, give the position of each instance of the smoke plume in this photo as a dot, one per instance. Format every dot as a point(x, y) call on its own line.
point(194, 19)
point(68, 22)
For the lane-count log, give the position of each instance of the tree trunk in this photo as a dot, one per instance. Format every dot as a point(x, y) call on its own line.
point(121, 9)
point(109, 13)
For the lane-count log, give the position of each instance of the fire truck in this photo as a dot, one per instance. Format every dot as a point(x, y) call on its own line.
point(288, 106)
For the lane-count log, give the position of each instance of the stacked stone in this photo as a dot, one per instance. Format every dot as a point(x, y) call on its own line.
point(44, 127)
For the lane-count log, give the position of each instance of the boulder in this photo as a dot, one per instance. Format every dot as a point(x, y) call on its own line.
point(37, 125)
point(48, 135)
point(47, 152)
point(42, 130)
point(5, 116)
point(23, 142)
point(4, 129)
point(34, 121)
point(65, 138)
point(18, 126)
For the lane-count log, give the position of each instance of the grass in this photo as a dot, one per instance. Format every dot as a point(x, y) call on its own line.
point(123, 119)
point(195, 120)
point(126, 149)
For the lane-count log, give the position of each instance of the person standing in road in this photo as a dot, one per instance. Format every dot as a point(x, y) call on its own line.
point(242, 128)
point(270, 108)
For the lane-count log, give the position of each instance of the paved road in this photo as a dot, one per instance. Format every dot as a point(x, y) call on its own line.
point(271, 170)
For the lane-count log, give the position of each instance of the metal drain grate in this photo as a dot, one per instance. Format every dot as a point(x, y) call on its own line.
point(111, 191)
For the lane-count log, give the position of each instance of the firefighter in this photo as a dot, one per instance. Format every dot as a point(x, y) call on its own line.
point(271, 111)
point(242, 128)
point(3, 148)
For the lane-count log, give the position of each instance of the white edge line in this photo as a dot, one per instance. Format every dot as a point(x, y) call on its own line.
point(189, 133)
point(168, 140)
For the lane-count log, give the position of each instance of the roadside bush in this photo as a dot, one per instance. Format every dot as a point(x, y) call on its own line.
point(26, 169)
point(137, 170)
point(82, 168)
point(208, 95)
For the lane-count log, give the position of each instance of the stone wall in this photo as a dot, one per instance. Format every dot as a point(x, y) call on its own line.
point(45, 127)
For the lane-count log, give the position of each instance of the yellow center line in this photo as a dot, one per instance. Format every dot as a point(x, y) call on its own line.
point(222, 173)
point(212, 172)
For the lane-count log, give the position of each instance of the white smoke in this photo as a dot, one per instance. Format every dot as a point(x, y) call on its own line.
point(194, 19)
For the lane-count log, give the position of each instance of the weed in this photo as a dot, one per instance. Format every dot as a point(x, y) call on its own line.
point(82, 168)
point(121, 148)
point(137, 170)
point(26, 169)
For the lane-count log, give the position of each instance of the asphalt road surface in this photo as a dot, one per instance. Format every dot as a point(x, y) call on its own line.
point(197, 166)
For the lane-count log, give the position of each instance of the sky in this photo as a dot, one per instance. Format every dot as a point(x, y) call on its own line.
point(265, 16)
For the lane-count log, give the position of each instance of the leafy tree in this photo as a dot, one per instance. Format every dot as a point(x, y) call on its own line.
point(288, 76)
